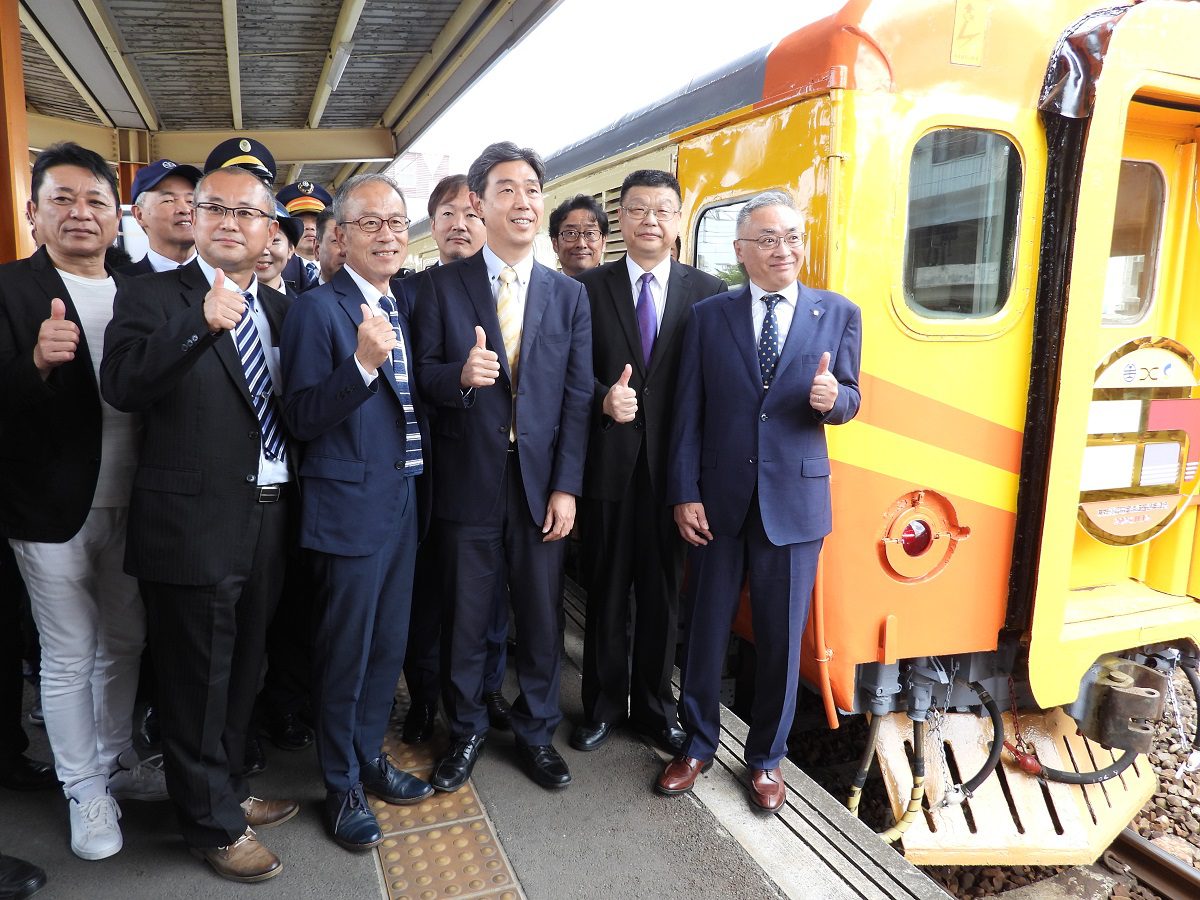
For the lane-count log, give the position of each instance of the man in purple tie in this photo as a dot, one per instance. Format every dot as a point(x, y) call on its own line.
point(639, 305)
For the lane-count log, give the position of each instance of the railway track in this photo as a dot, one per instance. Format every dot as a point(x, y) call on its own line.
point(1153, 867)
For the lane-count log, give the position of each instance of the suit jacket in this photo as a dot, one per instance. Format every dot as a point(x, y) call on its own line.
point(613, 449)
point(731, 436)
point(295, 274)
point(352, 460)
point(50, 431)
point(192, 515)
point(554, 389)
point(141, 267)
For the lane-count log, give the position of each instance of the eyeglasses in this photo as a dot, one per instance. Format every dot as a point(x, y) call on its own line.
point(570, 235)
point(243, 214)
point(769, 242)
point(372, 224)
point(637, 213)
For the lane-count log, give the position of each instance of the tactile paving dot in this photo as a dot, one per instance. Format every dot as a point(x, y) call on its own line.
point(418, 759)
point(439, 809)
point(461, 860)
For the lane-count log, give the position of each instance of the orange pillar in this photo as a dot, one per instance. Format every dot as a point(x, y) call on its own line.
point(126, 172)
point(15, 239)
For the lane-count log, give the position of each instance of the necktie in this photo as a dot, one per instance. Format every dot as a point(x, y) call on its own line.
point(413, 463)
point(647, 320)
point(310, 269)
point(768, 341)
point(258, 380)
point(509, 313)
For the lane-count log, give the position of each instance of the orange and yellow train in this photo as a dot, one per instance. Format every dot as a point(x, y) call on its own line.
point(1009, 191)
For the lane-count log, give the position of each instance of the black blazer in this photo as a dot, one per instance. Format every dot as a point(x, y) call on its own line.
point(613, 449)
point(141, 267)
point(193, 504)
point(49, 430)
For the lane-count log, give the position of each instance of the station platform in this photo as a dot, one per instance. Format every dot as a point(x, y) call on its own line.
point(502, 836)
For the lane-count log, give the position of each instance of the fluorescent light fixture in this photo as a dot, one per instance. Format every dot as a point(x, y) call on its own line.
point(341, 57)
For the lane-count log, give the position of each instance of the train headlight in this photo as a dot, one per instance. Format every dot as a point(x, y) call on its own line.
point(920, 533)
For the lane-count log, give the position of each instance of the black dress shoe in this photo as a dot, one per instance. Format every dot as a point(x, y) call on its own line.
point(670, 738)
point(543, 764)
point(24, 774)
point(255, 761)
point(286, 731)
point(350, 820)
point(588, 736)
point(455, 768)
point(149, 729)
point(499, 712)
point(391, 785)
point(418, 724)
point(19, 879)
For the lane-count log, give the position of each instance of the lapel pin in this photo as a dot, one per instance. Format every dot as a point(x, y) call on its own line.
point(816, 312)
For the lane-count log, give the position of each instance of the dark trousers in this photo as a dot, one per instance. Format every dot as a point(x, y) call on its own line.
point(287, 687)
point(423, 656)
point(13, 741)
point(631, 542)
point(363, 604)
point(208, 651)
point(478, 556)
point(781, 583)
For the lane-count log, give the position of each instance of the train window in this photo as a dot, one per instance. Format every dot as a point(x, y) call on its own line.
point(964, 188)
point(714, 242)
point(1133, 257)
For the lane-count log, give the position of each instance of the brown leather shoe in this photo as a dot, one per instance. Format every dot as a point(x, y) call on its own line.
point(244, 860)
point(767, 789)
point(268, 813)
point(680, 774)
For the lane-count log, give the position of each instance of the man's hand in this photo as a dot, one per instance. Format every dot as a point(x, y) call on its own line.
point(824, 390)
point(482, 367)
point(692, 523)
point(57, 340)
point(375, 340)
point(223, 308)
point(620, 403)
point(560, 516)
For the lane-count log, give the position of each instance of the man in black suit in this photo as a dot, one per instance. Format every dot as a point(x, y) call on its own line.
point(639, 305)
point(194, 351)
point(162, 198)
point(504, 349)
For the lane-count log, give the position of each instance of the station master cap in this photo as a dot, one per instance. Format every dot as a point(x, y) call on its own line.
point(304, 197)
point(246, 153)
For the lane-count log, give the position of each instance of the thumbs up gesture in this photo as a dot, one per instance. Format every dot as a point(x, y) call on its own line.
point(824, 390)
point(620, 403)
point(58, 339)
point(375, 340)
point(223, 308)
point(482, 367)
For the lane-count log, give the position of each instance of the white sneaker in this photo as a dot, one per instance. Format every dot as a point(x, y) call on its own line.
point(95, 833)
point(145, 781)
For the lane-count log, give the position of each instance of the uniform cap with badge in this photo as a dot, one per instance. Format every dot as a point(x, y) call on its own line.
point(304, 197)
point(245, 153)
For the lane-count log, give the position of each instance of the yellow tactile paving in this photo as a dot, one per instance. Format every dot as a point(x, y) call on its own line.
point(444, 847)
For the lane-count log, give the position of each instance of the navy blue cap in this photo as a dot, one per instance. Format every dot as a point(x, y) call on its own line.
point(244, 152)
point(304, 197)
point(149, 176)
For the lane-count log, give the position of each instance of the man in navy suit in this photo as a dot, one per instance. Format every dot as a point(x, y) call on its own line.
point(504, 351)
point(346, 358)
point(764, 369)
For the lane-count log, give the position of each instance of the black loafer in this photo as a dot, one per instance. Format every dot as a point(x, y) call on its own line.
point(455, 768)
point(351, 822)
point(499, 712)
point(19, 879)
point(287, 732)
point(588, 736)
point(418, 724)
point(543, 764)
point(391, 785)
point(670, 738)
point(24, 774)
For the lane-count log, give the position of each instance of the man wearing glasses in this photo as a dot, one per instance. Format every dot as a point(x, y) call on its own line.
point(347, 366)
point(194, 351)
point(578, 231)
point(639, 305)
point(763, 370)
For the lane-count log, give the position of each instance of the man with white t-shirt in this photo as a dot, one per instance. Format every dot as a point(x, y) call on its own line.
point(66, 471)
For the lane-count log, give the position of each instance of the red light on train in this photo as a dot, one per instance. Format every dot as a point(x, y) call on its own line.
point(916, 537)
point(920, 532)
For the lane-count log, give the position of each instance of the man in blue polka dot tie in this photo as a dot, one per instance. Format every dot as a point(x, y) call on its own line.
point(764, 369)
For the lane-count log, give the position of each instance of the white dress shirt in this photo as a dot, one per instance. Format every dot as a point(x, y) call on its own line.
point(784, 311)
point(160, 263)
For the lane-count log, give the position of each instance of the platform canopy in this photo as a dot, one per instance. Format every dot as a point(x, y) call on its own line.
point(332, 87)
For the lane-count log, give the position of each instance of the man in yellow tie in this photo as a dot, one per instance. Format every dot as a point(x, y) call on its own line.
point(504, 351)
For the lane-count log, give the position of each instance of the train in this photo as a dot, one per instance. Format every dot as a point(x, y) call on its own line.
point(1009, 191)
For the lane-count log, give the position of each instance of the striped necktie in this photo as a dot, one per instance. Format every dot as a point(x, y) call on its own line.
point(413, 462)
point(258, 380)
point(508, 310)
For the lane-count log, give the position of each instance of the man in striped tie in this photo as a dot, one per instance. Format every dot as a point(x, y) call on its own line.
point(347, 360)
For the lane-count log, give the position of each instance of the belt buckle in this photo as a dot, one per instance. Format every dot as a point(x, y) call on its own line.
point(269, 493)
